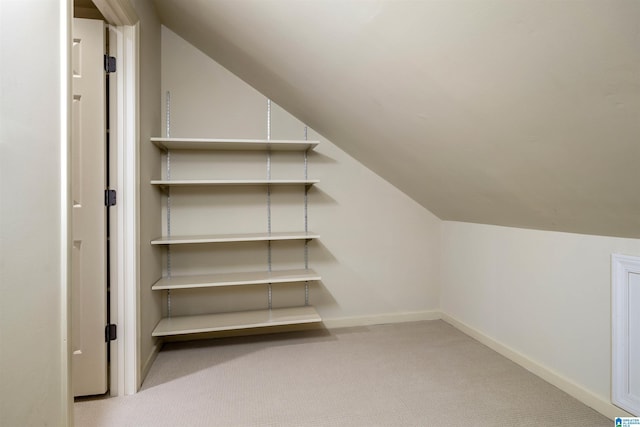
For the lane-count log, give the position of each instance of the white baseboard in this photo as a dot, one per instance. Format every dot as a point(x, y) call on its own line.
point(379, 319)
point(147, 364)
point(580, 393)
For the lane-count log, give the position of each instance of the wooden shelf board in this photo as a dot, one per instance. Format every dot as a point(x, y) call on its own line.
point(229, 238)
point(223, 182)
point(236, 279)
point(233, 144)
point(182, 325)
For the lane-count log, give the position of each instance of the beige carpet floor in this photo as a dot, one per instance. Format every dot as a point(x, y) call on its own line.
point(409, 374)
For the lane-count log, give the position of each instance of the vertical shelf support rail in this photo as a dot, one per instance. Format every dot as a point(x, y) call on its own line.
point(168, 173)
point(269, 287)
point(306, 219)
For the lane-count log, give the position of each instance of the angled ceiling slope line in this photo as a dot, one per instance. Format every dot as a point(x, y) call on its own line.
point(521, 114)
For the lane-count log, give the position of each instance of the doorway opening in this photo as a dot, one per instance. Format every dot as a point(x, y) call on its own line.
point(119, 23)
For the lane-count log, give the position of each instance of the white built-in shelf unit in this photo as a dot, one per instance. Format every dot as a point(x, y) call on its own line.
point(237, 320)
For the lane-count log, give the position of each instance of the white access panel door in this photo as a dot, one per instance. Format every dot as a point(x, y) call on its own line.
point(88, 262)
point(626, 333)
point(634, 338)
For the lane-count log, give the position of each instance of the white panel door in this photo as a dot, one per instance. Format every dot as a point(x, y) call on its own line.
point(88, 262)
point(626, 333)
point(634, 337)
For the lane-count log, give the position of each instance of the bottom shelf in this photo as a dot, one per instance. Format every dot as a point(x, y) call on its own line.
point(182, 325)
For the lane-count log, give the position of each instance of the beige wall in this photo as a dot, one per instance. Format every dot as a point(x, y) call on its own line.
point(34, 364)
point(378, 252)
point(149, 219)
point(545, 295)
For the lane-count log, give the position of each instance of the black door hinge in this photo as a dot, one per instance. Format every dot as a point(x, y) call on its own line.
point(109, 197)
point(110, 332)
point(110, 64)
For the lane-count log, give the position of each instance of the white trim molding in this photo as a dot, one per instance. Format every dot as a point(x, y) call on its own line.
point(585, 396)
point(124, 380)
point(117, 12)
point(380, 319)
point(65, 210)
point(130, 205)
point(622, 266)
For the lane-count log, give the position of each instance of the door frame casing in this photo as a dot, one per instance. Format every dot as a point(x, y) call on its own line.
point(124, 231)
point(124, 25)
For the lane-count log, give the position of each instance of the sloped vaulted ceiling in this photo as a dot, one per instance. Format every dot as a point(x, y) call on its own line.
point(516, 113)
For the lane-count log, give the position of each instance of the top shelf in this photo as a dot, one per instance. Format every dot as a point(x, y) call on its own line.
point(233, 144)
